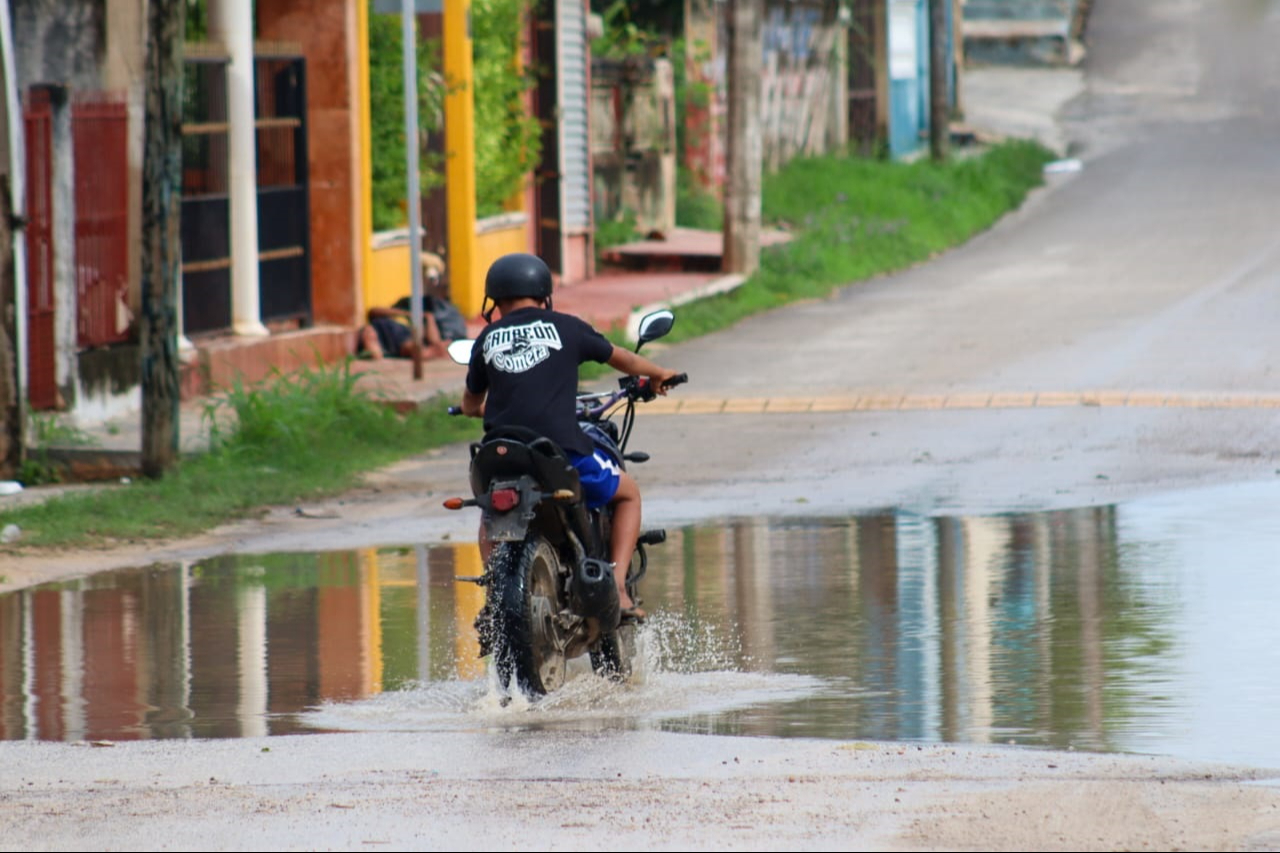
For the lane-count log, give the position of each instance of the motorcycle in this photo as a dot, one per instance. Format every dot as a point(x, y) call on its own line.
point(550, 593)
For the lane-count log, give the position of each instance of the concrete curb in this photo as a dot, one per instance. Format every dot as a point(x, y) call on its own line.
point(723, 284)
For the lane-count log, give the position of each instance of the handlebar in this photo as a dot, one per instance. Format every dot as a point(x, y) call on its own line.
point(639, 387)
point(630, 386)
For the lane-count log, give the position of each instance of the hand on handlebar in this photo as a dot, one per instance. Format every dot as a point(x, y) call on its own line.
point(663, 381)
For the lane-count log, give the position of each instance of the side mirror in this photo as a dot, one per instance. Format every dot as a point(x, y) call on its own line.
point(654, 326)
point(460, 350)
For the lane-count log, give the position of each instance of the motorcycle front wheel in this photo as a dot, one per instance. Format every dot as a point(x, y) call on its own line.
point(524, 598)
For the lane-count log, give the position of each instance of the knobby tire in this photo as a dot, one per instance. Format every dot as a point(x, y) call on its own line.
point(522, 573)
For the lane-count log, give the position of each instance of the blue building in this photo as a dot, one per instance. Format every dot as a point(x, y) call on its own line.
point(888, 68)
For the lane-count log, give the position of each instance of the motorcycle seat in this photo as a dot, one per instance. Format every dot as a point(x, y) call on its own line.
point(511, 452)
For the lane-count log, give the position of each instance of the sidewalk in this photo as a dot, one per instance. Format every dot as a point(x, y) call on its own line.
point(611, 300)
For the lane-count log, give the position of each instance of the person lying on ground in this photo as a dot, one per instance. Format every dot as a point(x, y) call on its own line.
point(388, 334)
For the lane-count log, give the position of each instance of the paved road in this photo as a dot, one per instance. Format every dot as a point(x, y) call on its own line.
point(1150, 279)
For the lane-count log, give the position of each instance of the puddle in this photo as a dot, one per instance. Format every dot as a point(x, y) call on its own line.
point(1145, 627)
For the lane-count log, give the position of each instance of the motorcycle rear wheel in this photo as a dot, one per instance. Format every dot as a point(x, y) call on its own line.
point(613, 659)
point(527, 642)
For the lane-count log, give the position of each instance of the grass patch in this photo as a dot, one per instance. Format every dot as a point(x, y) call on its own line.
point(615, 232)
point(298, 437)
point(311, 434)
point(855, 218)
point(696, 207)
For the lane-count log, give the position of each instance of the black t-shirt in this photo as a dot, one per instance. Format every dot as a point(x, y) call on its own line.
point(528, 363)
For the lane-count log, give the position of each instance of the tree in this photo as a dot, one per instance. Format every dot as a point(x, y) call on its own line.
point(744, 149)
point(939, 97)
point(161, 249)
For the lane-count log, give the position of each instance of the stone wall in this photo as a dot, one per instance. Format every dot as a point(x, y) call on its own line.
point(59, 42)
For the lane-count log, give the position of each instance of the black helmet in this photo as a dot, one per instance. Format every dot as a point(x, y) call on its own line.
point(518, 275)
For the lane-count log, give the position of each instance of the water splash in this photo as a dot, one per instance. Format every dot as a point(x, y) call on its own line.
point(673, 643)
point(683, 668)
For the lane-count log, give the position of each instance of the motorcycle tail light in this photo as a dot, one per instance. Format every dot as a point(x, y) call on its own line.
point(504, 499)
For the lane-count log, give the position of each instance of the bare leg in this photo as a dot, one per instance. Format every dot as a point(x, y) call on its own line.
point(432, 344)
point(626, 530)
point(369, 340)
point(435, 345)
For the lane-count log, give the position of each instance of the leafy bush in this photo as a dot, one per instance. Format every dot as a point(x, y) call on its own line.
point(508, 138)
point(386, 111)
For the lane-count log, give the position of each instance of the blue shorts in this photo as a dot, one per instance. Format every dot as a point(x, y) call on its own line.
point(599, 476)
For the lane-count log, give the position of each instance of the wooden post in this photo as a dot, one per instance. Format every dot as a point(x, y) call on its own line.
point(161, 249)
point(744, 149)
point(939, 97)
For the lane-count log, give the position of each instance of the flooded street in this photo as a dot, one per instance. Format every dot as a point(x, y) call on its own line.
point(1147, 627)
point(978, 555)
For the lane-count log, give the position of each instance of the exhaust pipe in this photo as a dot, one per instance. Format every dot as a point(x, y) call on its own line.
point(594, 592)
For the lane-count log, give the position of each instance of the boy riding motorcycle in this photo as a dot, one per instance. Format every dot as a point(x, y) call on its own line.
point(524, 373)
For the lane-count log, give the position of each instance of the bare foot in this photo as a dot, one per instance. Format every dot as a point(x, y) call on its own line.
point(629, 607)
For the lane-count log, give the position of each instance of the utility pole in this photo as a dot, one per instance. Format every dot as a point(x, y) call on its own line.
point(744, 149)
point(939, 97)
point(161, 249)
point(409, 64)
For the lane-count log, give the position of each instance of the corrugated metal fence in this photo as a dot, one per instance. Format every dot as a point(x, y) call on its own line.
point(100, 130)
point(42, 384)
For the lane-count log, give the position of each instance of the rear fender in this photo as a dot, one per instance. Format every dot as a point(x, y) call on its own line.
point(512, 525)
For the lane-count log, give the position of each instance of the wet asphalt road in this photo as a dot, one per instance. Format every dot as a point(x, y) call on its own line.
point(1152, 276)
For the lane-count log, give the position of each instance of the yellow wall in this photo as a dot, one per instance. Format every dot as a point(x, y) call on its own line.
point(388, 278)
point(492, 244)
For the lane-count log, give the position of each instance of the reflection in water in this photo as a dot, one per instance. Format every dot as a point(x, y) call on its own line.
point(1081, 628)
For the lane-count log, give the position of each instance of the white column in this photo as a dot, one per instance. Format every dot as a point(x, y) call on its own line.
point(63, 197)
point(231, 23)
point(251, 661)
point(16, 145)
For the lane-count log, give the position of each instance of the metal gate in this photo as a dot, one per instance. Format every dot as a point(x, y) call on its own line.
point(865, 43)
point(42, 385)
point(100, 135)
point(547, 199)
point(99, 143)
point(206, 213)
point(284, 220)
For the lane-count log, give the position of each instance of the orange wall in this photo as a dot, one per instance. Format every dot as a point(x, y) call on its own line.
point(326, 31)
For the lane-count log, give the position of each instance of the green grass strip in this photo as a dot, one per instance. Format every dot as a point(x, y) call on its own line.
point(303, 436)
